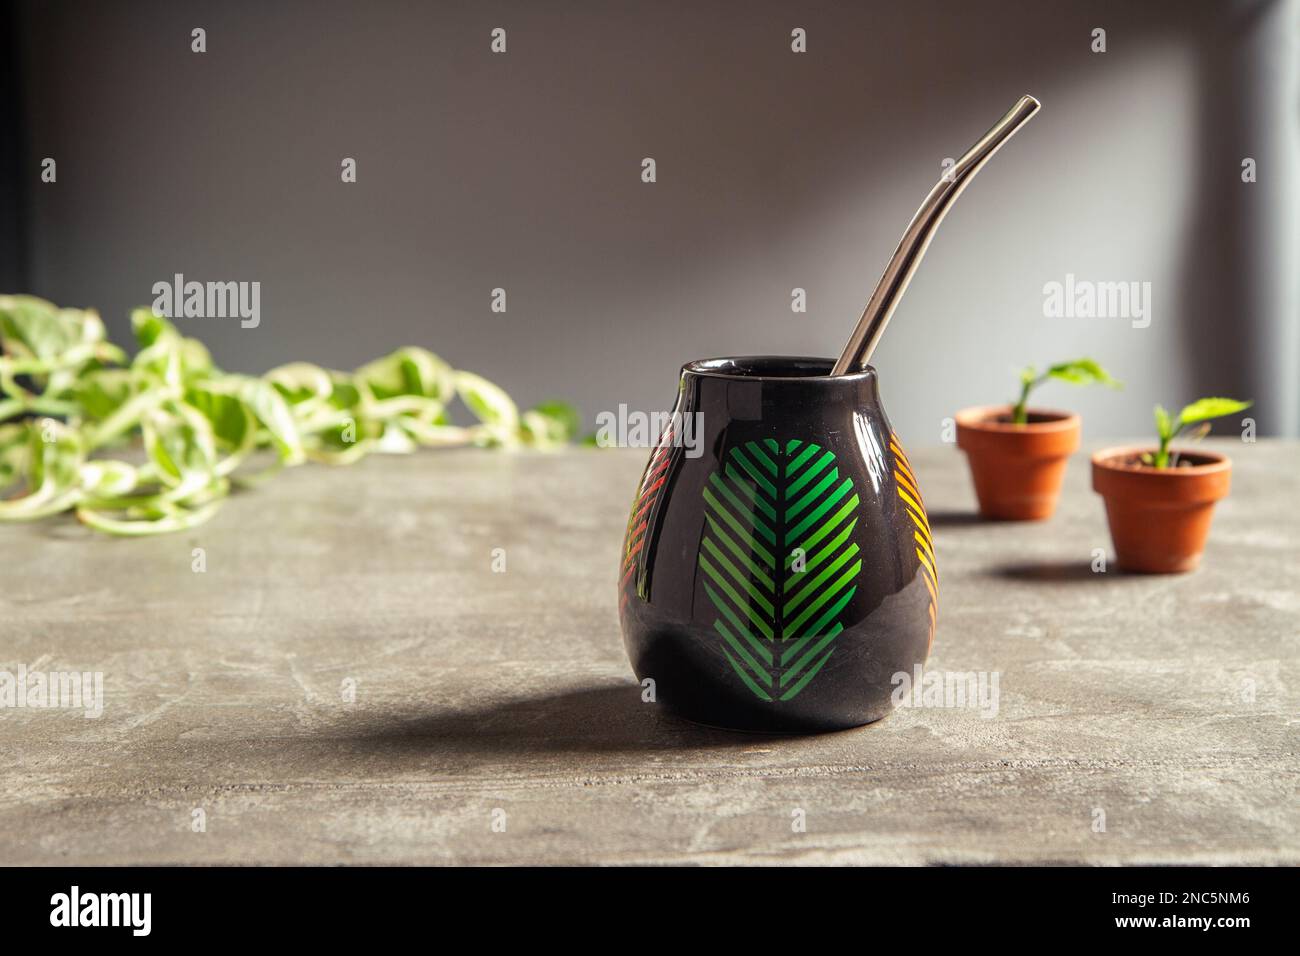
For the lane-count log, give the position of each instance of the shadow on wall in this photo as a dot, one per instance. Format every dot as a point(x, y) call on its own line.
point(1215, 229)
point(1243, 327)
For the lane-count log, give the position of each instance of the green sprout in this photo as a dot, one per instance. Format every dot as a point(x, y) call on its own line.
point(69, 399)
point(1079, 372)
point(1199, 414)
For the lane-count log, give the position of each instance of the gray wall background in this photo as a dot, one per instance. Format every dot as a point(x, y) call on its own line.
point(775, 170)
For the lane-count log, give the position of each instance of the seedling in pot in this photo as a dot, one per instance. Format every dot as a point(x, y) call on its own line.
point(1017, 464)
point(1159, 503)
point(1082, 371)
point(1199, 414)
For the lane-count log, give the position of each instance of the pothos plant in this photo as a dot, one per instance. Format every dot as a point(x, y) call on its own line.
point(1082, 371)
point(71, 401)
point(1198, 414)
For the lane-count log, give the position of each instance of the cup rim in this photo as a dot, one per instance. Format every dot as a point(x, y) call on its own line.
point(717, 368)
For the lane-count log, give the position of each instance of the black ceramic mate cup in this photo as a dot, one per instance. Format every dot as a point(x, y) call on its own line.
point(778, 569)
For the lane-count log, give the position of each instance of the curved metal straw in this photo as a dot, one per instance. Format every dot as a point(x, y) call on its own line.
point(911, 248)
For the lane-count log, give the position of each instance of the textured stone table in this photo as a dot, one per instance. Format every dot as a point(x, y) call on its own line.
point(1168, 703)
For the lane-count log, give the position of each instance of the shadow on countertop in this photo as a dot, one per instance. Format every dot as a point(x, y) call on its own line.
point(599, 719)
point(1053, 572)
point(955, 519)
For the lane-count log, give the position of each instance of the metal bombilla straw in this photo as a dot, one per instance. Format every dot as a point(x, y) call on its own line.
point(911, 248)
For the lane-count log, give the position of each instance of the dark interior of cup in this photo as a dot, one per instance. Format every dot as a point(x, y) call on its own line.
point(764, 366)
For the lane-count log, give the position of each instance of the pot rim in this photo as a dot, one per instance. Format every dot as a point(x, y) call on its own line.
point(978, 418)
point(1105, 458)
point(714, 368)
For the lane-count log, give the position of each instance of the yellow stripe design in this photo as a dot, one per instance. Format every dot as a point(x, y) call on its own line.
point(909, 493)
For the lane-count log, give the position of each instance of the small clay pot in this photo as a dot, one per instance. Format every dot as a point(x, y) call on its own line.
point(1017, 469)
point(1159, 517)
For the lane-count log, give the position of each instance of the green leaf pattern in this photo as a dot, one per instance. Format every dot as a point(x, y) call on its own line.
point(778, 561)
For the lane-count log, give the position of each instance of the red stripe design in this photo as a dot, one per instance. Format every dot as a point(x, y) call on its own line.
point(652, 482)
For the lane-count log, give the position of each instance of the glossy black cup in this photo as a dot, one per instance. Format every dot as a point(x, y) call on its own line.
point(778, 569)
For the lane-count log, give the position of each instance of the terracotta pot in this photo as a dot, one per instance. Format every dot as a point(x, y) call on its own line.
point(1017, 469)
point(1159, 517)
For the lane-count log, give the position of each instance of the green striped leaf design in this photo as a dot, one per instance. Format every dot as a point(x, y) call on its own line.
point(768, 503)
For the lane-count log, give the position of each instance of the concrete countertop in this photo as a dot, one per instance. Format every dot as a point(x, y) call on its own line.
point(1163, 707)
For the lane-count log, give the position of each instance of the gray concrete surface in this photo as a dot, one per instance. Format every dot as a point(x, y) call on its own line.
point(478, 691)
